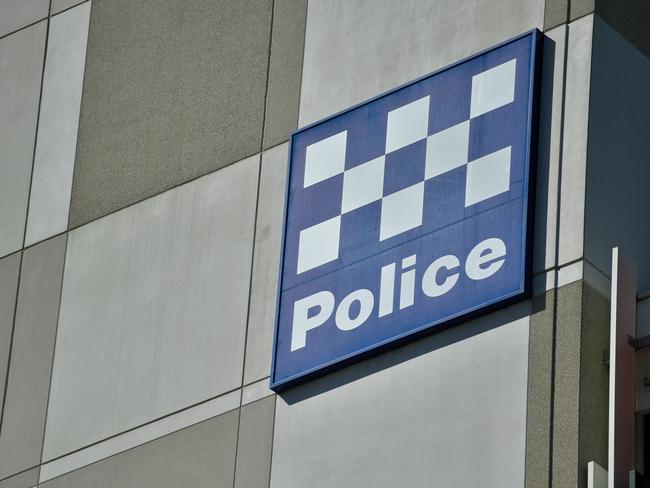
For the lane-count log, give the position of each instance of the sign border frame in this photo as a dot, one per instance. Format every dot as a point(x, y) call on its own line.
point(524, 292)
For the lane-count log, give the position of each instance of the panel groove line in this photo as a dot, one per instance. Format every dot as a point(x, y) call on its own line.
point(177, 265)
point(38, 121)
point(252, 256)
point(193, 101)
point(140, 435)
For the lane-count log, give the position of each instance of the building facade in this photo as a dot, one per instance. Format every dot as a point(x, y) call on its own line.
point(143, 172)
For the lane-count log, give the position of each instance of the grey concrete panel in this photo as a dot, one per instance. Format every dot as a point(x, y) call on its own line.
point(59, 5)
point(540, 390)
point(255, 443)
point(450, 408)
point(30, 366)
point(580, 8)
point(619, 117)
point(172, 91)
point(153, 309)
point(26, 479)
point(355, 50)
point(556, 12)
point(21, 66)
point(630, 18)
point(566, 406)
point(548, 159)
point(285, 70)
point(574, 149)
point(594, 380)
point(266, 263)
point(49, 201)
point(9, 268)
point(201, 456)
point(19, 13)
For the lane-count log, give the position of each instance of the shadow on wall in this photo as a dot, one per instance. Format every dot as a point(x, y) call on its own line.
point(410, 351)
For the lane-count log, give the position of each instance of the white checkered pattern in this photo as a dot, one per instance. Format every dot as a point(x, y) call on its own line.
point(446, 150)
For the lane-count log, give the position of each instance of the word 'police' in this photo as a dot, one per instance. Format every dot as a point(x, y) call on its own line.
point(485, 259)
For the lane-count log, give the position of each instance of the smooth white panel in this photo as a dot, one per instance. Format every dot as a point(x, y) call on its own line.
point(574, 149)
point(319, 244)
point(446, 411)
point(356, 50)
point(548, 160)
point(49, 201)
point(493, 88)
point(153, 309)
point(407, 124)
point(447, 150)
point(487, 176)
point(266, 263)
point(363, 184)
point(622, 369)
point(139, 436)
point(401, 211)
point(325, 158)
point(256, 391)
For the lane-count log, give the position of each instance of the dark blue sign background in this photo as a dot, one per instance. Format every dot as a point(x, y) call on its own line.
point(448, 226)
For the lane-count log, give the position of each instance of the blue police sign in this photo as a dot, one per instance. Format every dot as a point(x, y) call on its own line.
point(407, 212)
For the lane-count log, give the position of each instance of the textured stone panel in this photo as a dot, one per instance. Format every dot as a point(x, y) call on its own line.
point(153, 310)
point(21, 437)
point(255, 444)
point(172, 91)
point(285, 70)
point(201, 456)
point(21, 66)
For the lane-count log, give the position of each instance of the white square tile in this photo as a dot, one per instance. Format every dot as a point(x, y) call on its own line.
point(487, 176)
point(447, 150)
point(325, 158)
point(493, 88)
point(319, 244)
point(363, 184)
point(401, 211)
point(407, 124)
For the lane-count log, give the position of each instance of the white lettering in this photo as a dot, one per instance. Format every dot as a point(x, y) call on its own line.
point(491, 252)
point(302, 322)
point(366, 301)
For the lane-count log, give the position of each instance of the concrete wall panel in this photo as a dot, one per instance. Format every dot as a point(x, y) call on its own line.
point(59, 5)
point(172, 91)
point(255, 443)
point(574, 149)
point(355, 50)
point(618, 172)
point(549, 150)
point(153, 311)
point(49, 201)
point(285, 70)
point(21, 66)
point(21, 437)
point(9, 268)
point(449, 409)
point(26, 479)
point(201, 456)
point(266, 264)
point(19, 13)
